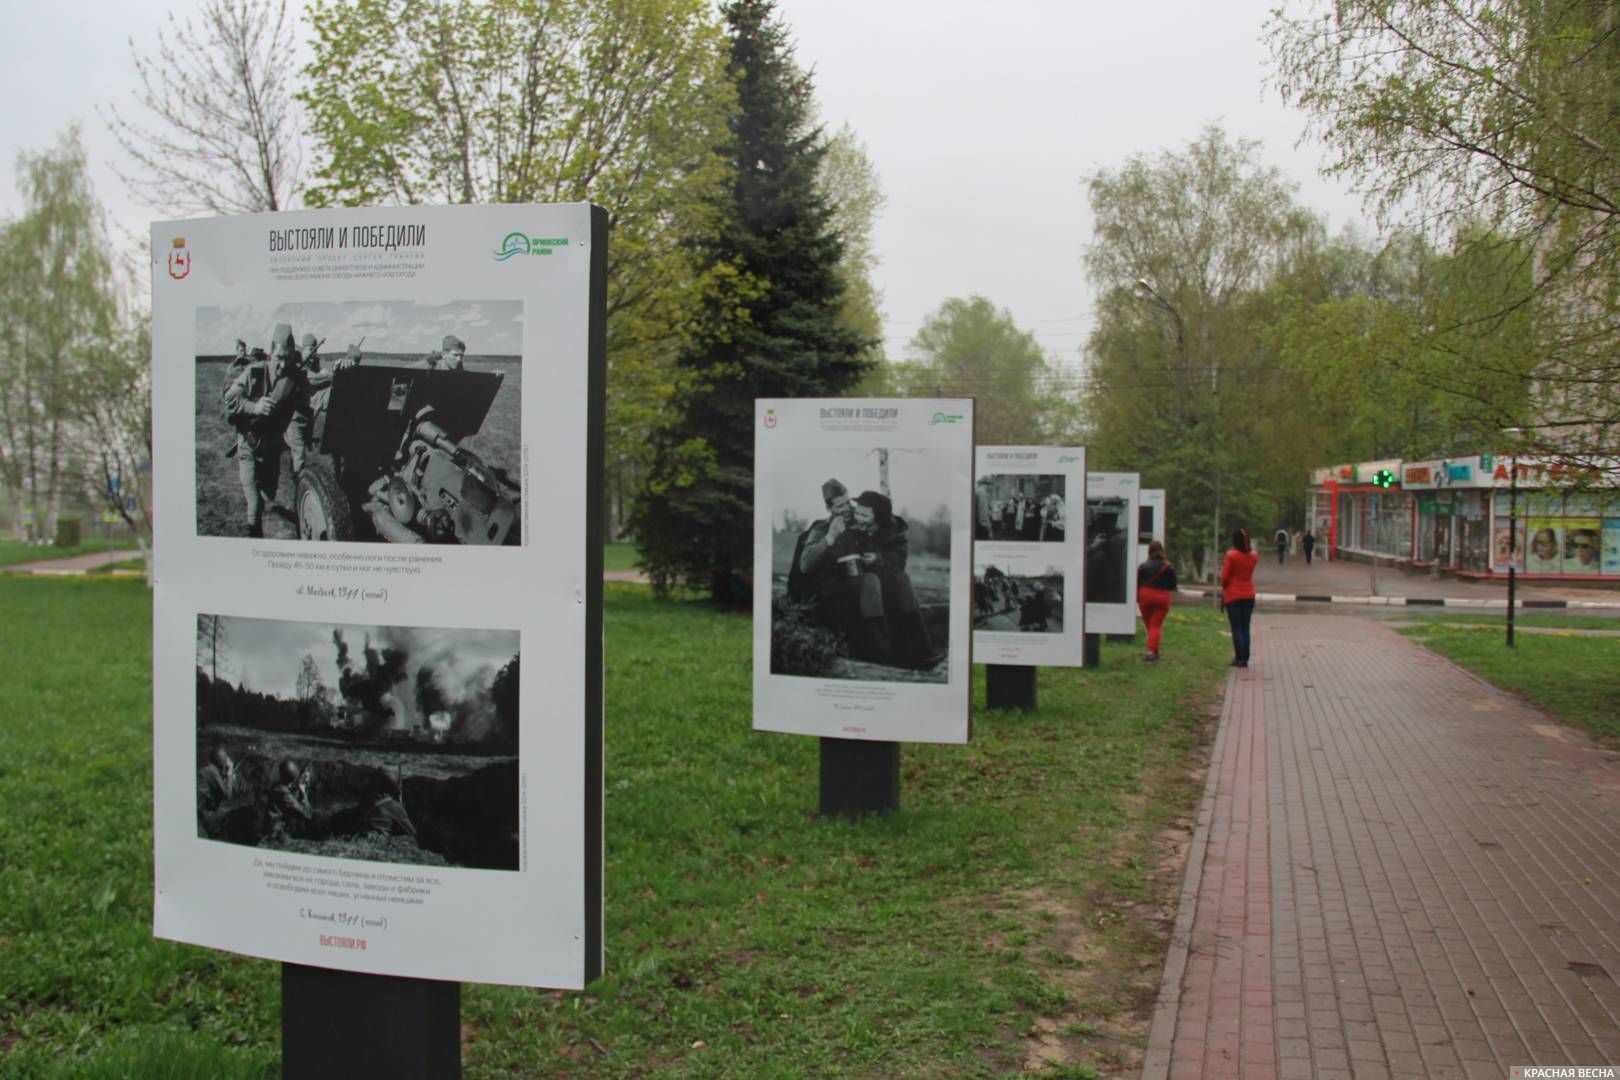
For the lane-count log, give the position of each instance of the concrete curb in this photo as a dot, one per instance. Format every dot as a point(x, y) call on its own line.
point(1411, 601)
point(1167, 1006)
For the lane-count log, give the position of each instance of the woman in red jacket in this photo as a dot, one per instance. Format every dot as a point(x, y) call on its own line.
point(1155, 582)
point(1237, 593)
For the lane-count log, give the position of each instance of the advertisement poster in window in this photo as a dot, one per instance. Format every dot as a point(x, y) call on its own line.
point(863, 539)
point(373, 750)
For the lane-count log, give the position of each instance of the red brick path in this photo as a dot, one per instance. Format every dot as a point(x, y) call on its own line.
point(1397, 872)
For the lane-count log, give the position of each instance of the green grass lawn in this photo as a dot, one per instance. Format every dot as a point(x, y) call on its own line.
point(619, 556)
point(12, 552)
point(1573, 677)
point(1015, 910)
point(1496, 618)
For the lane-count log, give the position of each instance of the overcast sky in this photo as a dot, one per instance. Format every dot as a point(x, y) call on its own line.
point(981, 119)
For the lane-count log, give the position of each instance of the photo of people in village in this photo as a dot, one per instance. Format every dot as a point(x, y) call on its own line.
point(384, 743)
point(861, 562)
point(1018, 603)
point(1107, 535)
point(1025, 508)
point(383, 421)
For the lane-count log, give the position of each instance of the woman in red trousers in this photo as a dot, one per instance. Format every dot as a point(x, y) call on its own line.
point(1155, 582)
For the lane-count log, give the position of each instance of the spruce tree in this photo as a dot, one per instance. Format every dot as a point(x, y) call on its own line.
point(694, 516)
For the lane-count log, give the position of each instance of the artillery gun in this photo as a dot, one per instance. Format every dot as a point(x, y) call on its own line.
point(388, 463)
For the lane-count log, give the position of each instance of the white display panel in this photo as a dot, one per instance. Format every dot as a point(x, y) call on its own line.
point(1029, 555)
point(1111, 502)
point(862, 546)
point(352, 769)
point(1150, 521)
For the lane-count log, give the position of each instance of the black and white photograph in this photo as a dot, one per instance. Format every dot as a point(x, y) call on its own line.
point(380, 743)
point(1014, 603)
point(1020, 507)
point(1107, 537)
point(382, 421)
point(861, 564)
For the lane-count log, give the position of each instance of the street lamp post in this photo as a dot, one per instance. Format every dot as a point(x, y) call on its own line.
point(1513, 540)
point(1145, 291)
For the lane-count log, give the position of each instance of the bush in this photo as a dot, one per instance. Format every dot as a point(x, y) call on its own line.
point(69, 532)
point(800, 643)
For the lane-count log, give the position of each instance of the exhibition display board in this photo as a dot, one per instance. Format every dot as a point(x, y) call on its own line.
point(1028, 555)
point(352, 769)
point(1111, 532)
point(862, 543)
point(1150, 521)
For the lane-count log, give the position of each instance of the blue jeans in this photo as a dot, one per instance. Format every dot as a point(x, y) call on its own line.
point(1239, 613)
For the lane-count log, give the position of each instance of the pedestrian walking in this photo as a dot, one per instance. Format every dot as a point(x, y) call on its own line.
point(1308, 543)
point(1155, 582)
point(1282, 545)
point(1237, 593)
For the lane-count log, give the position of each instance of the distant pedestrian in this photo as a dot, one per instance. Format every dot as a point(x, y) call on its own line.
point(1282, 545)
point(1155, 584)
point(1237, 593)
point(1308, 543)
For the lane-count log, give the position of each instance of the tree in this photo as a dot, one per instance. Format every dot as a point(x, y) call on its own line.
point(619, 102)
point(1185, 246)
point(971, 348)
point(61, 307)
point(1503, 117)
point(115, 411)
point(218, 128)
point(849, 183)
point(694, 518)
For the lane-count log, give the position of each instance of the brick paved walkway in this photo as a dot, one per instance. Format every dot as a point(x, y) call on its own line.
point(1397, 872)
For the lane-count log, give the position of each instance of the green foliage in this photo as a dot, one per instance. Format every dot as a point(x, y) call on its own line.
point(1504, 121)
point(971, 348)
point(61, 303)
point(694, 517)
point(619, 102)
point(1182, 387)
point(1576, 678)
point(849, 182)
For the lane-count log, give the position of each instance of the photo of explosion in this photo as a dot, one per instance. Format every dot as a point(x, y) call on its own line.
point(387, 743)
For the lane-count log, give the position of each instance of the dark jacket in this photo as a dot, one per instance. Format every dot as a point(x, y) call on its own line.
point(1156, 573)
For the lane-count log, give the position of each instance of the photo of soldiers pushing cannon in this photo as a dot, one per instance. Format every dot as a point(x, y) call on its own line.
point(390, 744)
point(379, 442)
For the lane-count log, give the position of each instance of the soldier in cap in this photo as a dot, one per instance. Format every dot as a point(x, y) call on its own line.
point(448, 355)
point(259, 405)
point(830, 570)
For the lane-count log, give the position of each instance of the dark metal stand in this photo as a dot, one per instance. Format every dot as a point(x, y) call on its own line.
point(347, 1026)
point(1091, 651)
point(1009, 687)
point(858, 777)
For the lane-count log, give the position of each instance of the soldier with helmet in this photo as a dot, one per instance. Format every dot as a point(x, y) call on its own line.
point(288, 812)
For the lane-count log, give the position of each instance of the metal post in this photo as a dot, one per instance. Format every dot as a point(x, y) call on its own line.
point(1009, 687)
point(1091, 651)
point(859, 776)
point(1513, 541)
point(345, 1025)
